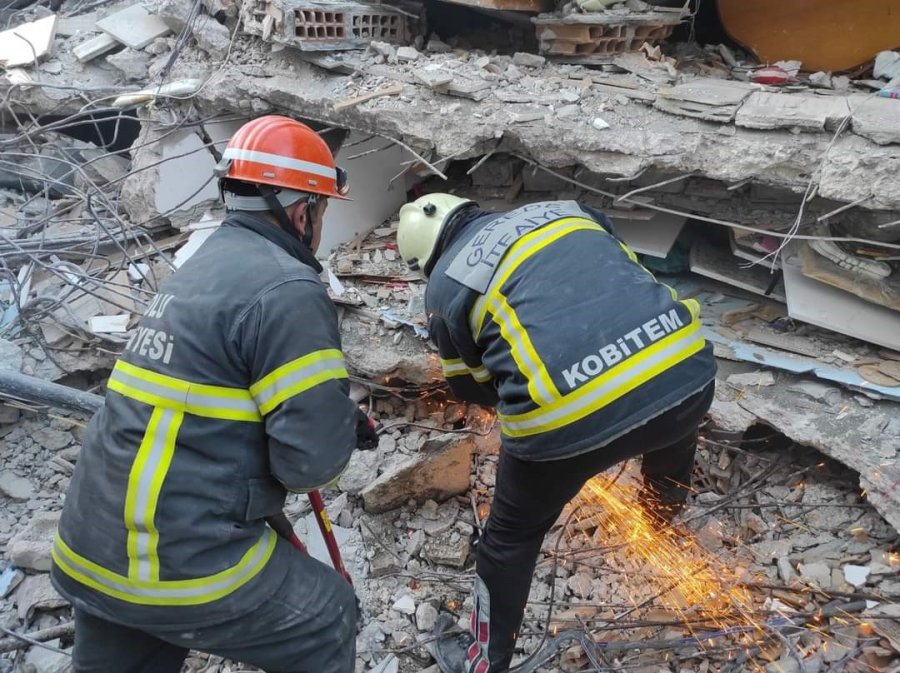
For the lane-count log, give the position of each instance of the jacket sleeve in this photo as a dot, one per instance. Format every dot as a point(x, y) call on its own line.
point(291, 345)
point(468, 378)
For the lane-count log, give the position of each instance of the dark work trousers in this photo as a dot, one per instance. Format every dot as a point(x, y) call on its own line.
point(308, 626)
point(529, 498)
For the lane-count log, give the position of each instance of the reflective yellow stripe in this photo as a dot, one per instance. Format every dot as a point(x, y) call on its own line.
point(521, 250)
point(456, 367)
point(296, 377)
point(169, 592)
point(609, 386)
point(540, 386)
point(148, 472)
point(628, 251)
point(198, 399)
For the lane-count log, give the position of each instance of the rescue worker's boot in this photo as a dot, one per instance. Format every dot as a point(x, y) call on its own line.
point(662, 505)
point(450, 649)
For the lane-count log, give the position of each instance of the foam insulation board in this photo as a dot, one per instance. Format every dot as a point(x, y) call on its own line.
point(818, 304)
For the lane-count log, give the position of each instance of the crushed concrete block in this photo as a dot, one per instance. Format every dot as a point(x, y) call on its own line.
point(383, 564)
point(214, 39)
point(437, 46)
point(175, 13)
point(10, 356)
point(772, 110)
point(15, 487)
point(580, 584)
point(426, 616)
point(877, 119)
point(405, 604)
point(527, 60)
point(52, 439)
point(37, 593)
point(751, 379)
point(449, 551)
point(542, 181)
point(30, 547)
point(360, 471)
point(134, 26)
point(434, 79)
point(407, 54)
point(819, 573)
point(441, 470)
point(42, 660)
point(131, 63)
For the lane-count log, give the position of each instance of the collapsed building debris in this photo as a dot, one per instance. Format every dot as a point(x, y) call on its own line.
point(784, 194)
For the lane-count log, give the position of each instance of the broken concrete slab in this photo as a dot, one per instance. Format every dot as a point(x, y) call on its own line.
point(96, 46)
point(36, 593)
point(213, 38)
point(844, 437)
point(450, 550)
point(15, 487)
point(772, 110)
point(877, 119)
point(131, 63)
point(706, 98)
point(438, 472)
point(28, 42)
point(134, 26)
point(42, 660)
point(30, 547)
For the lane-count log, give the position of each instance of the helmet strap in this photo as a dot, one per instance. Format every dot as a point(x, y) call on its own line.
point(283, 220)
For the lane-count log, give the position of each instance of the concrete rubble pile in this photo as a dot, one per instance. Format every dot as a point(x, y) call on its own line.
point(776, 205)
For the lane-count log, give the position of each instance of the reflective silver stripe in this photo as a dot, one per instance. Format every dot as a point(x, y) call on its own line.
point(454, 368)
point(295, 382)
point(481, 374)
point(576, 406)
point(173, 592)
point(235, 153)
point(184, 400)
point(142, 515)
point(504, 316)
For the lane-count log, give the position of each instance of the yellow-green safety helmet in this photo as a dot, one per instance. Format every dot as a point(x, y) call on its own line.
point(421, 223)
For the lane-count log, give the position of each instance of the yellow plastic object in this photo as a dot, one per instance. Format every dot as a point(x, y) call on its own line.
point(829, 35)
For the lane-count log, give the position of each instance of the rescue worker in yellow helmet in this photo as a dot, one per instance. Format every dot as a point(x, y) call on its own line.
point(231, 392)
point(544, 313)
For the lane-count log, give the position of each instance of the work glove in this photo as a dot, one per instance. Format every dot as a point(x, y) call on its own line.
point(366, 431)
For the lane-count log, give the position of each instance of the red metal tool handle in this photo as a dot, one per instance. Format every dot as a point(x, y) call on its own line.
point(318, 505)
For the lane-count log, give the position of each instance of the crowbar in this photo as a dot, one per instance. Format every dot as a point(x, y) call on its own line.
point(282, 526)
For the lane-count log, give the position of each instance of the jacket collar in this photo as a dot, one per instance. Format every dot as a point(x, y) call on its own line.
point(272, 232)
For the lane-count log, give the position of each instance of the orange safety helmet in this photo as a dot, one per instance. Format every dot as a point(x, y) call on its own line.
point(284, 154)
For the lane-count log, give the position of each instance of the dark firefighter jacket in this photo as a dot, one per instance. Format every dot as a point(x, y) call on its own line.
point(231, 392)
point(546, 314)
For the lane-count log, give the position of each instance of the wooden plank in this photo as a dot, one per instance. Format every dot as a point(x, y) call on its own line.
point(390, 90)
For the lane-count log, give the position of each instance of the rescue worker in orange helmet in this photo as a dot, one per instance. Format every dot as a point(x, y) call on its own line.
point(231, 392)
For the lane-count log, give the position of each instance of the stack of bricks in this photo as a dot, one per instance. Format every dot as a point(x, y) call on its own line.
point(317, 25)
point(585, 36)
